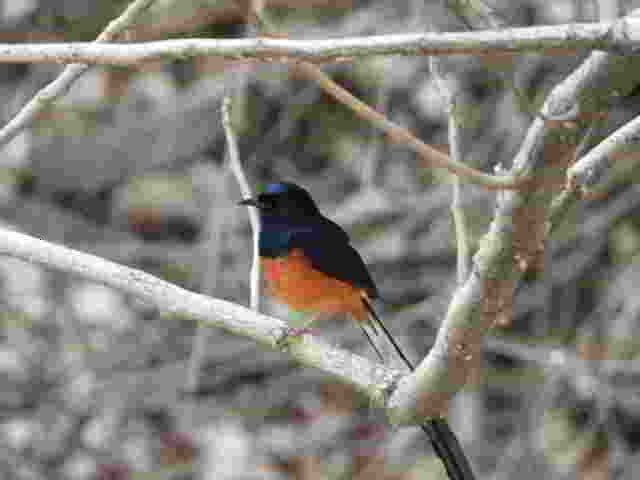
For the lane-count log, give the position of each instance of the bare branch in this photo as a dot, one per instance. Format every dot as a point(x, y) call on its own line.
point(402, 135)
point(471, 312)
point(588, 170)
point(450, 88)
point(235, 165)
point(62, 84)
point(622, 36)
point(372, 379)
point(396, 132)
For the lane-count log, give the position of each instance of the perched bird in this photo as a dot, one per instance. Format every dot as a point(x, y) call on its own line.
point(310, 266)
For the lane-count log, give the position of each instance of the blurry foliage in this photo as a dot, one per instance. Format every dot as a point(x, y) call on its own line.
point(624, 242)
point(68, 121)
point(328, 12)
point(81, 28)
point(509, 378)
point(151, 190)
point(175, 273)
point(563, 444)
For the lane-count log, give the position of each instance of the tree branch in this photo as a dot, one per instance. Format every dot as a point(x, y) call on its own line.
point(374, 380)
point(622, 36)
point(235, 165)
point(588, 170)
point(473, 310)
point(61, 85)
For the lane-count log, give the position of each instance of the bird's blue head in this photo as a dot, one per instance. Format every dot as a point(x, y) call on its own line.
point(285, 200)
point(285, 209)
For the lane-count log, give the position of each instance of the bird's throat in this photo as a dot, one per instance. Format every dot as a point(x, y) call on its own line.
point(272, 269)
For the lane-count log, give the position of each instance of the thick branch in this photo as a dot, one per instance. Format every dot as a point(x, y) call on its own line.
point(622, 36)
point(372, 379)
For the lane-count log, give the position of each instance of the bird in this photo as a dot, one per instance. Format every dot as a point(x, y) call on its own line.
point(309, 263)
point(310, 266)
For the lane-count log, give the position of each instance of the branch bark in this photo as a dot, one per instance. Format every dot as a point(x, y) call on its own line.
point(62, 84)
point(587, 171)
point(481, 301)
point(621, 36)
point(371, 378)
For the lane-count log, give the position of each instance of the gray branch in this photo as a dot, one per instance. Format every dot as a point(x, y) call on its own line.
point(589, 169)
point(621, 36)
point(61, 85)
point(374, 380)
point(456, 349)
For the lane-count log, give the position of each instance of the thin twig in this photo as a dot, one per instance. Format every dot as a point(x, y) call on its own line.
point(216, 224)
point(61, 85)
point(449, 89)
point(236, 167)
point(402, 135)
point(457, 209)
point(395, 132)
point(589, 169)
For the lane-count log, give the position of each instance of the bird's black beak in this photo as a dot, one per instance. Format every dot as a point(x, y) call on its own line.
point(249, 202)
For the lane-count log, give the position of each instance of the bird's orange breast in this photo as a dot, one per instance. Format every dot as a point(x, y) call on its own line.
point(293, 281)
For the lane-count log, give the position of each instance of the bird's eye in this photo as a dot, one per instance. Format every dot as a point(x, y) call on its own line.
point(267, 201)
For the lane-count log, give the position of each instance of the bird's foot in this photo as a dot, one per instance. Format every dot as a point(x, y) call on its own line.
point(292, 333)
point(298, 332)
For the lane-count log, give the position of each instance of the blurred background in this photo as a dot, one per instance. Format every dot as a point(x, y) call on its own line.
point(130, 165)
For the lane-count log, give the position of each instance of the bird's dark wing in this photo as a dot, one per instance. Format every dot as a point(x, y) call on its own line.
point(329, 251)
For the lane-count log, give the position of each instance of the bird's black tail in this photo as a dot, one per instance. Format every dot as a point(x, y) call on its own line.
point(378, 320)
point(443, 440)
point(370, 340)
